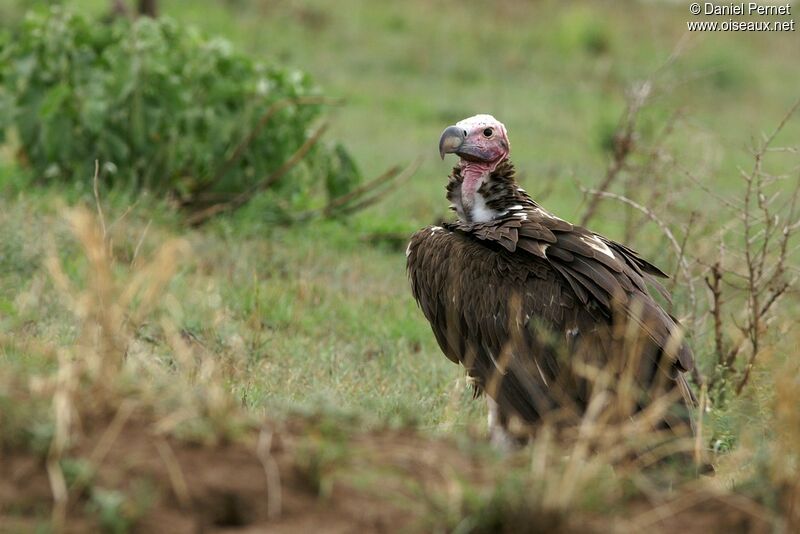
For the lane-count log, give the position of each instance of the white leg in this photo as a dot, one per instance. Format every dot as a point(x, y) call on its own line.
point(499, 437)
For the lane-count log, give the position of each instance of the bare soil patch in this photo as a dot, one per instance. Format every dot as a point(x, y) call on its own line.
point(383, 481)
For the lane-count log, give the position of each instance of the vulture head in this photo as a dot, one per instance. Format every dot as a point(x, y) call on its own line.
point(481, 141)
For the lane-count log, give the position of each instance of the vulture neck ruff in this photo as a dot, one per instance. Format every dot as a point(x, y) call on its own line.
point(473, 203)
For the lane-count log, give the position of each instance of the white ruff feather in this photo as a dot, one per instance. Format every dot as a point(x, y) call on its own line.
point(483, 213)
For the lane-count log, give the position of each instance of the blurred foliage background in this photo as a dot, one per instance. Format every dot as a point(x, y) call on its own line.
point(556, 73)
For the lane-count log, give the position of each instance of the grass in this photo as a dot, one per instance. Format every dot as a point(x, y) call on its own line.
point(318, 318)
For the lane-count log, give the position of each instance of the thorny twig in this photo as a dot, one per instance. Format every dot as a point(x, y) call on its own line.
point(766, 232)
point(682, 254)
point(625, 137)
point(640, 177)
point(679, 249)
point(763, 291)
point(713, 284)
point(624, 141)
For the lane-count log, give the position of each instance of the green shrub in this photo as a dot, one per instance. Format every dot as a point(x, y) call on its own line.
point(159, 106)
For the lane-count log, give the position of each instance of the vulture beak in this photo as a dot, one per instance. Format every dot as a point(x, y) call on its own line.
point(451, 140)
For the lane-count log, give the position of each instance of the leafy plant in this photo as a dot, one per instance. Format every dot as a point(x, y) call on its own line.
point(162, 108)
point(113, 510)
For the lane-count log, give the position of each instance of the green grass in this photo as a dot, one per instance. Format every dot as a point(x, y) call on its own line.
point(312, 325)
point(321, 313)
point(316, 316)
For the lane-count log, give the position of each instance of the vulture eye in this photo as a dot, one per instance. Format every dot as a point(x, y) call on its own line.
point(487, 132)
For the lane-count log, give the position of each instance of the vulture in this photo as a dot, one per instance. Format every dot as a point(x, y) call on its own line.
point(543, 314)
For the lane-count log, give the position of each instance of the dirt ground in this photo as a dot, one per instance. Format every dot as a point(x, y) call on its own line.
point(277, 481)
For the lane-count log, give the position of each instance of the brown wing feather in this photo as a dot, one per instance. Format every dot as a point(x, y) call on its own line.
point(468, 278)
point(483, 309)
point(597, 269)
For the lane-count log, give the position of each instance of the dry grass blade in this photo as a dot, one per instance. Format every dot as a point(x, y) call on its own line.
point(63, 411)
point(96, 189)
point(139, 243)
point(360, 200)
point(361, 190)
point(271, 472)
point(176, 478)
point(103, 445)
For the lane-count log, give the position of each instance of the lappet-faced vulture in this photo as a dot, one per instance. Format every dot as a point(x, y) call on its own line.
point(543, 314)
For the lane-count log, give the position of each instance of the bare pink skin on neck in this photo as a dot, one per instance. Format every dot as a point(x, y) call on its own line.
point(473, 174)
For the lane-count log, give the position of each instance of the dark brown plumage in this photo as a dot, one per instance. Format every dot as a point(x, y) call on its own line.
point(518, 296)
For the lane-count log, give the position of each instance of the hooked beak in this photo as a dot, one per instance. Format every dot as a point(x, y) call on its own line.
point(451, 140)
